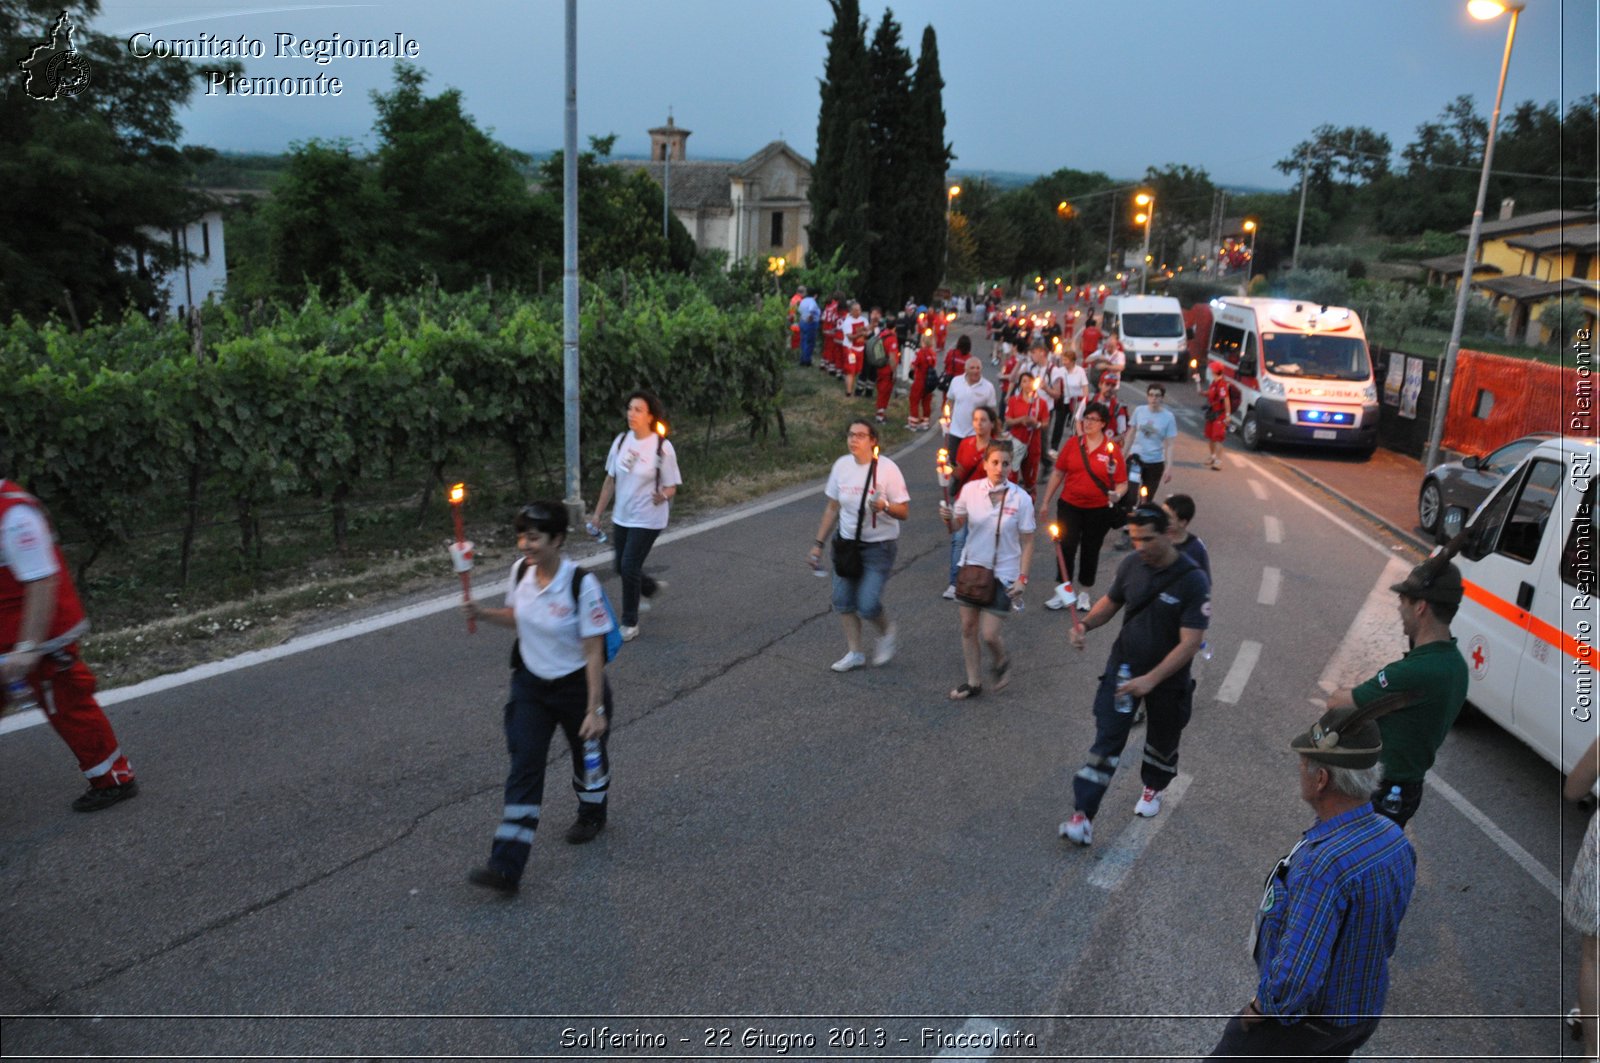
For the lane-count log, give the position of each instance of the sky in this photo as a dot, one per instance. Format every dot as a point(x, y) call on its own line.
point(1031, 86)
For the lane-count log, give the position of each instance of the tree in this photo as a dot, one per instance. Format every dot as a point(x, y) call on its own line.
point(1184, 197)
point(928, 162)
point(1355, 154)
point(619, 220)
point(839, 177)
point(328, 221)
point(93, 183)
point(889, 118)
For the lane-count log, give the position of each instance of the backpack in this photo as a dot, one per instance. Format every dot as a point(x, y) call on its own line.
point(877, 355)
point(613, 636)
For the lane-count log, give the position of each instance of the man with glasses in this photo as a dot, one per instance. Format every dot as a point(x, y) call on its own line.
point(1168, 602)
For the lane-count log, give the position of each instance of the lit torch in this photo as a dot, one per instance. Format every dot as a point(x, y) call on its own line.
point(1064, 590)
point(461, 551)
point(661, 441)
point(944, 419)
point(872, 502)
point(942, 463)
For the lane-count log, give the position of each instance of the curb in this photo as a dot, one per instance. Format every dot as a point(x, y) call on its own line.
point(1408, 537)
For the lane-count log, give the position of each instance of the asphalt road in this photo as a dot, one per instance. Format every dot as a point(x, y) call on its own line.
point(791, 853)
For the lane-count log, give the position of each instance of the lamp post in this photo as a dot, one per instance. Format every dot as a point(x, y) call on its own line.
point(1250, 227)
point(949, 205)
point(1147, 212)
point(1482, 10)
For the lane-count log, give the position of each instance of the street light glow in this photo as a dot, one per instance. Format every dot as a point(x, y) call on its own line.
point(1144, 199)
point(955, 190)
point(1484, 10)
point(1249, 225)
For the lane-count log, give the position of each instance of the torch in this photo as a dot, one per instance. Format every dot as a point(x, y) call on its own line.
point(661, 441)
point(944, 419)
point(461, 551)
point(872, 500)
point(1064, 590)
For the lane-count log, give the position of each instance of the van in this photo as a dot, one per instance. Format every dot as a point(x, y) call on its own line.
point(1528, 616)
point(1298, 372)
point(1151, 330)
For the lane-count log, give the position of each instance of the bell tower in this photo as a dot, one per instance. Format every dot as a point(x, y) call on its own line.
point(667, 142)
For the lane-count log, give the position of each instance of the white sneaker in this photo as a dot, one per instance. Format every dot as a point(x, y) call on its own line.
point(1149, 803)
point(849, 661)
point(883, 652)
point(1056, 604)
point(949, 594)
point(630, 633)
point(1085, 603)
point(1078, 829)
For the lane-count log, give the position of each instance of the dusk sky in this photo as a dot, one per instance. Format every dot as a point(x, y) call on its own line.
point(1030, 86)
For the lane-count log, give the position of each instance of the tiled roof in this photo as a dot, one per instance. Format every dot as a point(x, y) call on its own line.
point(1525, 289)
point(1450, 265)
point(1527, 223)
point(695, 185)
point(1578, 237)
point(751, 166)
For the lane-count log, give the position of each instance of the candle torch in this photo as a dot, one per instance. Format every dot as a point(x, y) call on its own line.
point(944, 419)
point(1064, 590)
point(872, 500)
point(461, 551)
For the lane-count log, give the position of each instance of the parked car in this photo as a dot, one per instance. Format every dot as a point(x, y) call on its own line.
point(1453, 490)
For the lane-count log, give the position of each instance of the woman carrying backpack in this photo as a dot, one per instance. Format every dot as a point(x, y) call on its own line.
point(558, 679)
point(642, 471)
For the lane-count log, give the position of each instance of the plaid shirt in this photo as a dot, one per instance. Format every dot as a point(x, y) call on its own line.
point(1329, 917)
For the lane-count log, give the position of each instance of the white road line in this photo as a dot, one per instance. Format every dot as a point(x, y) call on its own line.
point(1238, 461)
point(1327, 514)
point(1244, 662)
point(354, 629)
point(1274, 528)
point(1116, 861)
point(1271, 582)
point(975, 1031)
point(1524, 859)
point(1258, 489)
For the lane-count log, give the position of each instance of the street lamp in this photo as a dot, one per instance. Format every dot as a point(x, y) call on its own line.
point(1483, 10)
point(1146, 215)
point(1250, 227)
point(949, 203)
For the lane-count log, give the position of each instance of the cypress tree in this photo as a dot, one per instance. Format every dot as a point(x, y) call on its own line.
point(889, 208)
point(838, 192)
point(927, 163)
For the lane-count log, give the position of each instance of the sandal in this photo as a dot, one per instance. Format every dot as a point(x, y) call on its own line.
point(965, 691)
point(1000, 672)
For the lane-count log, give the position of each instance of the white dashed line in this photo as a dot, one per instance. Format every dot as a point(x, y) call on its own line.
point(1274, 528)
point(1271, 581)
point(1244, 662)
point(1258, 489)
point(1135, 838)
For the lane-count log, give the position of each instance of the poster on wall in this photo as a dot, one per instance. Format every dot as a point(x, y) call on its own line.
point(1391, 383)
point(1413, 387)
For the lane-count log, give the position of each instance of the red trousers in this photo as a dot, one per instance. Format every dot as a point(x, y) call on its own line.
point(885, 387)
point(67, 695)
point(921, 396)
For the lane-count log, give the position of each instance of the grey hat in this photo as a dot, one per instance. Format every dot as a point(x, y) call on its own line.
point(1349, 738)
point(1435, 580)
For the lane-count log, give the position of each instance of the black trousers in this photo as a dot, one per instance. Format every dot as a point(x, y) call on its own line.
point(1271, 1039)
point(1083, 533)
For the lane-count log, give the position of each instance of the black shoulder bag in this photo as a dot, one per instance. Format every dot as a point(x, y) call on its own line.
point(1119, 514)
point(847, 563)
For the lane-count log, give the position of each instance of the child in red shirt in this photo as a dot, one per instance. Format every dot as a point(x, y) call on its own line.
point(923, 365)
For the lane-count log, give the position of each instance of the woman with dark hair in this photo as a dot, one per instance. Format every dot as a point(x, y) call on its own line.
point(558, 679)
point(1086, 475)
point(997, 516)
point(642, 471)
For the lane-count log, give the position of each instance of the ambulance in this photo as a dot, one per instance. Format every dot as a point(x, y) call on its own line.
point(1298, 372)
point(1528, 619)
point(1151, 330)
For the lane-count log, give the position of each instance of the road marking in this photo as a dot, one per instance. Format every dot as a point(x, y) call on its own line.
point(1244, 662)
point(1258, 489)
point(1329, 515)
point(356, 628)
point(978, 1032)
point(1238, 462)
point(1271, 581)
point(1524, 859)
point(1274, 528)
point(1118, 860)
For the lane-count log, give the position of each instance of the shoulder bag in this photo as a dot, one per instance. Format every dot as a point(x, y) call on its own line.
point(1119, 514)
point(975, 583)
point(847, 562)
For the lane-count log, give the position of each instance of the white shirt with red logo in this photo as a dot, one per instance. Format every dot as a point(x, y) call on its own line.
point(550, 630)
point(25, 544)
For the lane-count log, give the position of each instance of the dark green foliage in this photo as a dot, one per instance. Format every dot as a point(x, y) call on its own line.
point(889, 120)
point(839, 176)
point(922, 241)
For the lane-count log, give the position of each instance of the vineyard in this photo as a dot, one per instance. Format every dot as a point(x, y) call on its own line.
point(131, 430)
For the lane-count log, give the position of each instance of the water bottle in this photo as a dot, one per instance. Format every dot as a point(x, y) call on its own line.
point(1017, 605)
point(1391, 801)
point(594, 532)
point(1124, 702)
point(1205, 650)
point(591, 763)
point(20, 694)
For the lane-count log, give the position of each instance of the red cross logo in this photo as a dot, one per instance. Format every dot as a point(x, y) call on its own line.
point(1477, 657)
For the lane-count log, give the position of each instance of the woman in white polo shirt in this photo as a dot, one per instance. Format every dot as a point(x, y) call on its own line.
point(642, 471)
point(558, 679)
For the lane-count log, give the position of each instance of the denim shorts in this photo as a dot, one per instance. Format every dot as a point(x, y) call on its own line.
point(864, 595)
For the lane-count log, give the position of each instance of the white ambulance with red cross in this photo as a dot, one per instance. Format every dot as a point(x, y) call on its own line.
point(1298, 372)
point(1527, 621)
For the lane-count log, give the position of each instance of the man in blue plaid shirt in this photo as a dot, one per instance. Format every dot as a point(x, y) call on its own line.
point(1331, 909)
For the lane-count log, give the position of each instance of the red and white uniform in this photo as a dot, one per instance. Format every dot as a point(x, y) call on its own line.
point(923, 368)
point(61, 682)
point(885, 381)
point(941, 328)
point(832, 314)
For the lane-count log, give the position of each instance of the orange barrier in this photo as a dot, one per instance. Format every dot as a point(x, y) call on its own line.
point(1495, 399)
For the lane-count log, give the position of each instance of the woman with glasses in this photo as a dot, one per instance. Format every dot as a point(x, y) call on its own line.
point(967, 465)
point(998, 518)
point(642, 472)
point(558, 679)
point(867, 497)
point(1084, 486)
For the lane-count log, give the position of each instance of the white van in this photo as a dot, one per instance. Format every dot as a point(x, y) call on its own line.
point(1299, 372)
point(1527, 621)
point(1151, 330)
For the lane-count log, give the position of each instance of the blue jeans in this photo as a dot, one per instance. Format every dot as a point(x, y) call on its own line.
point(632, 546)
point(808, 340)
point(958, 543)
point(864, 595)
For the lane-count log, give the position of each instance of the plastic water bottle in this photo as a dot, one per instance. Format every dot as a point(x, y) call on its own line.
point(1391, 801)
point(591, 763)
point(20, 694)
point(594, 531)
point(1124, 702)
point(1205, 650)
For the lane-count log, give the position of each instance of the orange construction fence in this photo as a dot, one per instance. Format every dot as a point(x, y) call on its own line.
point(1495, 399)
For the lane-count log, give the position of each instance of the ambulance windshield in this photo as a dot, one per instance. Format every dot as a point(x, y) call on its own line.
point(1157, 326)
point(1315, 357)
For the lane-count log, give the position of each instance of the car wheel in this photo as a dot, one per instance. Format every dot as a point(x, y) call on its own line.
point(1430, 507)
point(1250, 432)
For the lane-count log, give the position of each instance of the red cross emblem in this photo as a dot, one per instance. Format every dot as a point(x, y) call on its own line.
point(1477, 657)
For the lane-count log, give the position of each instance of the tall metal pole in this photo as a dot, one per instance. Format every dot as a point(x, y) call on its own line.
point(1300, 222)
point(569, 276)
point(1111, 229)
point(1144, 263)
point(1441, 401)
point(666, 190)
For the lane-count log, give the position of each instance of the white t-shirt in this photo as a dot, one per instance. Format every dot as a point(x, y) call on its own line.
point(550, 632)
point(1077, 384)
point(1151, 430)
point(26, 547)
point(965, 398)
point(974, 504)
point(855, 330)
point(845, 481)
point(632, 464)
